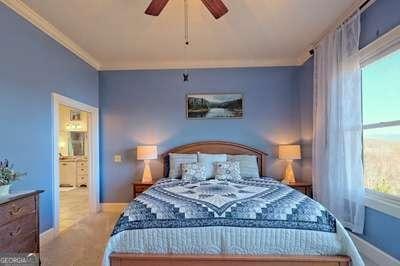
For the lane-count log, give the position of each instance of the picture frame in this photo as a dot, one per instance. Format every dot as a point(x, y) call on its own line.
point(214, 105)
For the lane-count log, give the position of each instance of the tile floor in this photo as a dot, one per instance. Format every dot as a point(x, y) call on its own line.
point(74, 205)
point(81, 244)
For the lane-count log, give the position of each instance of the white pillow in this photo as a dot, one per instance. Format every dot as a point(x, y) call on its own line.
point(208, 161)
point(227, 171)
point(248, 165)
point(175, 163)
point(193, 172)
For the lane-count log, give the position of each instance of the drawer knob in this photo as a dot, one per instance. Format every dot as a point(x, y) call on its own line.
point(17, 232)
point(15, 210)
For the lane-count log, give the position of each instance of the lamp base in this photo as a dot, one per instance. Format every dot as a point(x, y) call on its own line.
point(288, 176)
point(147, 178)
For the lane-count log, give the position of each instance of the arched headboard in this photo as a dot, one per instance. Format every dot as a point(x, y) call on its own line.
point(217, 147)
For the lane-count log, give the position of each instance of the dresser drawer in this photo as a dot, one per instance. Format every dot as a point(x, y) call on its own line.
point(27, 244)
point(17, 230)
point(82, 170)
point(82, 164)
point(82, 180)
point(16, 209)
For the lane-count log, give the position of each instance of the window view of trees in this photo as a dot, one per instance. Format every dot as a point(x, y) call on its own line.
point(382, 160)
point(381, 122)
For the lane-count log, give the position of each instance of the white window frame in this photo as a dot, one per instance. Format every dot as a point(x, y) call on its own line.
point(381, 47)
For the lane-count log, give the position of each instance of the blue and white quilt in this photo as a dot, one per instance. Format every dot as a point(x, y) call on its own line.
point(262, 203)
point(258, 216)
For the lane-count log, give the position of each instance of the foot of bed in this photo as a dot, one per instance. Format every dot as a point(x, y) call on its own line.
point(126, 259)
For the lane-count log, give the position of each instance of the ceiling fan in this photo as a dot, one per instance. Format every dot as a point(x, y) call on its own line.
point(216, 7)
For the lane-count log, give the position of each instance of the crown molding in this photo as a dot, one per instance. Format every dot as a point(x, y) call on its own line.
point(38, 21)
point(198, 64)
point(303, 57)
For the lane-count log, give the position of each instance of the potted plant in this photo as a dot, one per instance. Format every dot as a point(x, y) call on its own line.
point(7, 176)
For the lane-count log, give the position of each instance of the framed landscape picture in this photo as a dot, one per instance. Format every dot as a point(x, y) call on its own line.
point(215, 105)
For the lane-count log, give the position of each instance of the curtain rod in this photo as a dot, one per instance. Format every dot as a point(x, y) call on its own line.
point(364, 4)
point(361, 8)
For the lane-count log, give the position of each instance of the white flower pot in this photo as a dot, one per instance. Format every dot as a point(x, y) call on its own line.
point(4, 190)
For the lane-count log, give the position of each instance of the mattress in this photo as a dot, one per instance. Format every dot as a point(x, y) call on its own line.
point(257, 216)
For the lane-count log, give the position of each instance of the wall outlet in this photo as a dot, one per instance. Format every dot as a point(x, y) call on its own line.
point(117, 158)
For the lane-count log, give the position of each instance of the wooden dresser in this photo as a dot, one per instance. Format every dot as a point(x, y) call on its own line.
point(19, 222)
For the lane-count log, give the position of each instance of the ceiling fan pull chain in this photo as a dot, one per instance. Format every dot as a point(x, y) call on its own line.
point(186, 22)
point(186, 16)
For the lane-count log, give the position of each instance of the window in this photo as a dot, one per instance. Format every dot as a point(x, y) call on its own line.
point(381, 124)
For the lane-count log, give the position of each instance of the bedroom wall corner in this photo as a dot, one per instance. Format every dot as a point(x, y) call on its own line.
point(306, 90)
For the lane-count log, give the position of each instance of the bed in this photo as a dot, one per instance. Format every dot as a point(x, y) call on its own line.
point(249, 222)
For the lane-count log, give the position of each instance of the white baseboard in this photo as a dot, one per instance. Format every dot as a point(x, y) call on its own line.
point(113, 207)
point(47, 236)
point(373, 253)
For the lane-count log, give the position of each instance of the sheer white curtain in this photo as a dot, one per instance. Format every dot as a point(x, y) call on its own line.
point(337, 145)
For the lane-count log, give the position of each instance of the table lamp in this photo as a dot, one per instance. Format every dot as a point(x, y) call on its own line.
point(289, 153)
point(146, 153)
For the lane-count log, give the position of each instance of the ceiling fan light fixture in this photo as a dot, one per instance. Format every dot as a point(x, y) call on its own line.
point(155, 7)
point(216, 7)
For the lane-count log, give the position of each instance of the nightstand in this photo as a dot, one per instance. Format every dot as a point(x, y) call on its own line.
point(139, 187)
point(303, 187)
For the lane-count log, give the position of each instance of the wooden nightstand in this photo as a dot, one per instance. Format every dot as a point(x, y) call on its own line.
point(139, 187)
point(303, 187)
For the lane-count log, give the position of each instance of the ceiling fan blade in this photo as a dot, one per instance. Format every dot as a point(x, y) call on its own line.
point(155, 7)
point(216, 7)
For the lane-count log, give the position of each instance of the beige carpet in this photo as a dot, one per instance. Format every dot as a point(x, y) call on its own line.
point(74, 205)
point(82, 244)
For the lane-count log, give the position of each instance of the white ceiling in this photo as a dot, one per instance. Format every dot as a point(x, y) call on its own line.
point(118, 35)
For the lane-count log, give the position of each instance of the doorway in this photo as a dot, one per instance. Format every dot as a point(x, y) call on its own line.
point(75, 161)
point(73, 165)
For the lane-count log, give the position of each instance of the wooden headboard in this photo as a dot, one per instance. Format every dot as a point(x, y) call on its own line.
point(217, 147)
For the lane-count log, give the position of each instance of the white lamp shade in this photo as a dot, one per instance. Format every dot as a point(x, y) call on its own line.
point(289, 152)
point(146, 152)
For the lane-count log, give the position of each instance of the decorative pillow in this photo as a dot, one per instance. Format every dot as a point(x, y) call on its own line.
point(248, 165)
point(175, 163)
point(227, 171)
point(208, 161)
point(193, 172)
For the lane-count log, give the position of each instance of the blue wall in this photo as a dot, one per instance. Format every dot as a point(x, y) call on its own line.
point(32, 66)
point(148, 107)
point(382, 231)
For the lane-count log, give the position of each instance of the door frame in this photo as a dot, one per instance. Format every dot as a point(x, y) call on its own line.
point(94, 159)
